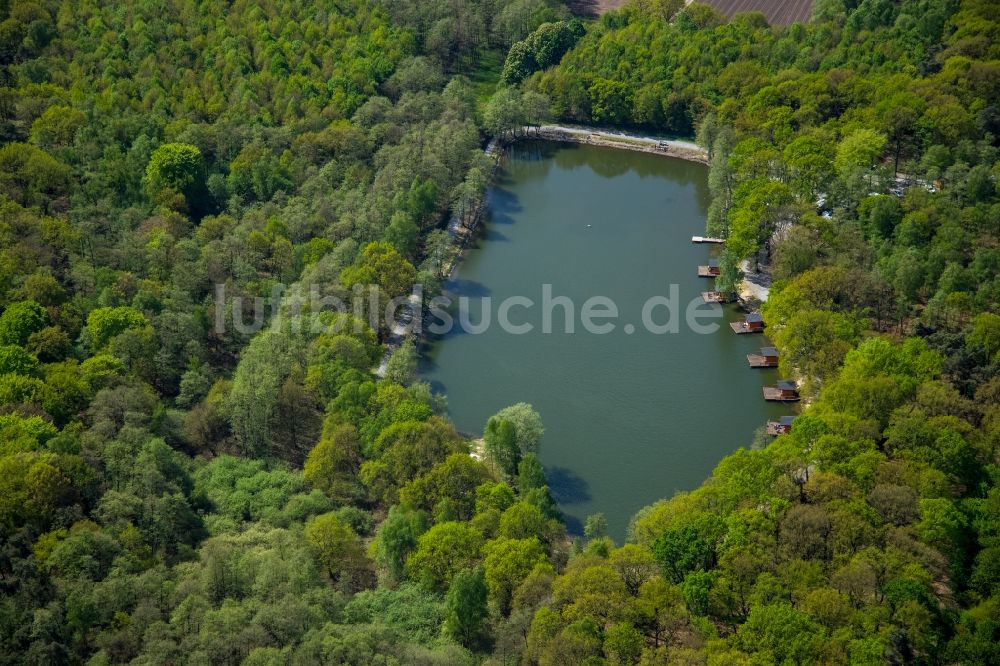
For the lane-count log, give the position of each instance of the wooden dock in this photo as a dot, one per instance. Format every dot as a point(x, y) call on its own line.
point(753, 323)
point(758, 361)
point(774, 394)
point(785, 391)
point(781, 426)
point(707, 239)
point(718, 297)
point(743, 328)
point(767, 358)
point(708, 272)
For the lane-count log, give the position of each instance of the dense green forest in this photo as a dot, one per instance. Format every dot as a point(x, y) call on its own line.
point(174, 492)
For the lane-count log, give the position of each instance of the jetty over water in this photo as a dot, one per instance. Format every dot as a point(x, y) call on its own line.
point(767, 358)
point(753, 323)
point(781, 426)
point(707, 239)
point(785, 391)
point(709, 271)
point(718, 297)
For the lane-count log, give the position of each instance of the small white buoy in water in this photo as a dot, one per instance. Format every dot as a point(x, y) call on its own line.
point(588, 225)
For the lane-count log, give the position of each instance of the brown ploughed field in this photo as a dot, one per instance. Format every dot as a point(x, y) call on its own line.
point(778, 12)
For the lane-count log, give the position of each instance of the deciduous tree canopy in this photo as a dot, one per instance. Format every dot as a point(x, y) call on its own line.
point(174, 489)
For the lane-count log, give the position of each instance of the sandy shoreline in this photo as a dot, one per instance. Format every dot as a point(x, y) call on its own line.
point(684, 150)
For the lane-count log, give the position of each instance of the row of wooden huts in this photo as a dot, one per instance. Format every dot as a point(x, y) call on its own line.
point(785, 390)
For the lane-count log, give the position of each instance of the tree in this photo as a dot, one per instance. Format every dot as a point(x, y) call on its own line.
point(442, 552)
point(409, 448)
point(517, 19)
point(403, 233)
point(708, 132)
point(528, 429)
point(944, 527)
point(697, 590)
point(257, 384)
point(523, 521)
point(980, 185)
point(900, 122)
point(530, 474)
point(14, 360)
point(635, 565)
point(507, 563)
point(780, 634)
point(382, 265)
point(729, 272)
point(178, 167)
point(896, 505)
point(455, 481)
point(550, 41)
point(333, 464)
point(32, 487)
point(808, 161)
point(882, 213)
point(759, 207)
point(815, 342)
point(20, 320)
point(540, 50)
point(682, 550)
point(858, 151)
point(257, 174)
point(421, 200)
point(537, 108)
point(805, 531)
point(985, 333)
point(30, 176)
point(501, 444)
point(402, 365)
point(662, 9)
point(194, 385)
point(610, 101)
point(519, 64)
point(466, 607)
point(43, 288)
point(623, 643)
point(397, 537)
point(438, 247)
point(103, 324)
point(336, 546)
point(596, 526)
point(56, 126)
point(660, 611)
point(503, 113)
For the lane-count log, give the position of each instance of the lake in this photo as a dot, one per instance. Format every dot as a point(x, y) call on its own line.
point(630, 417)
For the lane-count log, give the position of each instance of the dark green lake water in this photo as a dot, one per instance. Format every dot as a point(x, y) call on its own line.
point(629, 418)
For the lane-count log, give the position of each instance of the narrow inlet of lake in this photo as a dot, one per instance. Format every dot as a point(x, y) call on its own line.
point(629, 417)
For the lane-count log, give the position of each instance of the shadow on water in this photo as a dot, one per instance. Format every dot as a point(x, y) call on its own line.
point(538, 151)
point(494, 235)
point(567, 486)
point(573, 525)
point(456, 287)
point(438, 388)
point(613, 166)
point(455, 290)
point(427, 365)
point(503, 205)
